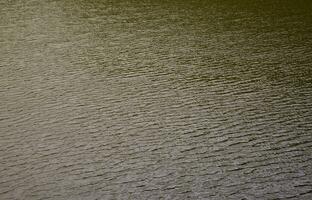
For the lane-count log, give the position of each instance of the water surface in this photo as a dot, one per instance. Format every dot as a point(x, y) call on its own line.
point(177, 99)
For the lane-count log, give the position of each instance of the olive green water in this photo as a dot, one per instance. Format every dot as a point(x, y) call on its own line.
point(155, 99)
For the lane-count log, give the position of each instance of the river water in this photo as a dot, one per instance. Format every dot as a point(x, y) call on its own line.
point(129, 99)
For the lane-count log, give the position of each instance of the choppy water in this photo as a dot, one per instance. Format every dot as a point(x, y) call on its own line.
point(175, 99)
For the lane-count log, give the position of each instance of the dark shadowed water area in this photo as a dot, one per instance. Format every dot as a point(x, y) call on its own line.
point(130, 99)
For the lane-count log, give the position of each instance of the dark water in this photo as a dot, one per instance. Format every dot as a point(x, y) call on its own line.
point(155, 99)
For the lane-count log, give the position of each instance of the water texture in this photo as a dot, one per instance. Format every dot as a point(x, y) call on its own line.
point(129, 99)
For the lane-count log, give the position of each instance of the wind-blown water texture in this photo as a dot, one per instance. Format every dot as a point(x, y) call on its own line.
point(155, 99)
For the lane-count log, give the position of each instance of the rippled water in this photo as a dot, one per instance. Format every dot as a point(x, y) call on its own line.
point(175, 99)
